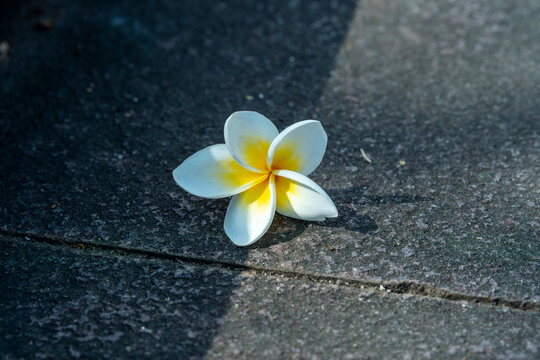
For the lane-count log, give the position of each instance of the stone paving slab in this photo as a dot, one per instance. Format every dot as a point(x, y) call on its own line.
point(98, 110)
point(60, 302)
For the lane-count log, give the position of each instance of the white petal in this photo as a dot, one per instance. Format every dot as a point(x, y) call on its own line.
point(250, 213)
point(300, 147)
point(301, 198)
point(248, 135)
point(212, 173)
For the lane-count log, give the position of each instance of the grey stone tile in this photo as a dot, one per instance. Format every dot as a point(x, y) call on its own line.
point(98, 110)
point(59, 302)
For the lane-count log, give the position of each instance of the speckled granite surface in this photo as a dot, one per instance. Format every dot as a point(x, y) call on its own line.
point(100, 100)
point(94, 126)
point(64, 303)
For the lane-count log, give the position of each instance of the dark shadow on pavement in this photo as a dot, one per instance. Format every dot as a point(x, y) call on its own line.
point(356, 196)
point(350, 218)
point(98, 109)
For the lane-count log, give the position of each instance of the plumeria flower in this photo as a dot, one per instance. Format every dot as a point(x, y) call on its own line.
point(264, 171)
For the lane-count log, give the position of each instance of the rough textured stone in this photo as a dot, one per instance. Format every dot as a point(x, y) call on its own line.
point(59, 302)
point(97, 111)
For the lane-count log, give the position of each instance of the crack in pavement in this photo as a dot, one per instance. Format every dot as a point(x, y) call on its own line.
point(399, 288)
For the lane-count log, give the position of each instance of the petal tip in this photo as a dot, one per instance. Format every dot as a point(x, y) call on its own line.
point(177, 175)
point(250, 214)
point(242, 242)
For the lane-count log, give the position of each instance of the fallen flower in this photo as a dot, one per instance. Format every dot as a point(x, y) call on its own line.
point(264, 171)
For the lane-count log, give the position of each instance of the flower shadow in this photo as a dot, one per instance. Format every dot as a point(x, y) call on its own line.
point(283, 229)
point(355, 196)
point(350, 218)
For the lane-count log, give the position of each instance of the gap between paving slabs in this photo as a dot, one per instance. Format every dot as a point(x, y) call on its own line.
point(405, 287)
point(98, 304)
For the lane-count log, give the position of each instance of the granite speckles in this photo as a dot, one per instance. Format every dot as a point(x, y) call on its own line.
point(59, 302)
point(443, 98)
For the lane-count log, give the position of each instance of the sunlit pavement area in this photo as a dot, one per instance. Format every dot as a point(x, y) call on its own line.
point(435, 253)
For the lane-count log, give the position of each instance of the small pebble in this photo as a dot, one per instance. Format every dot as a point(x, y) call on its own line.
point(4, 49)
point(148, 331)
point(44, 24)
